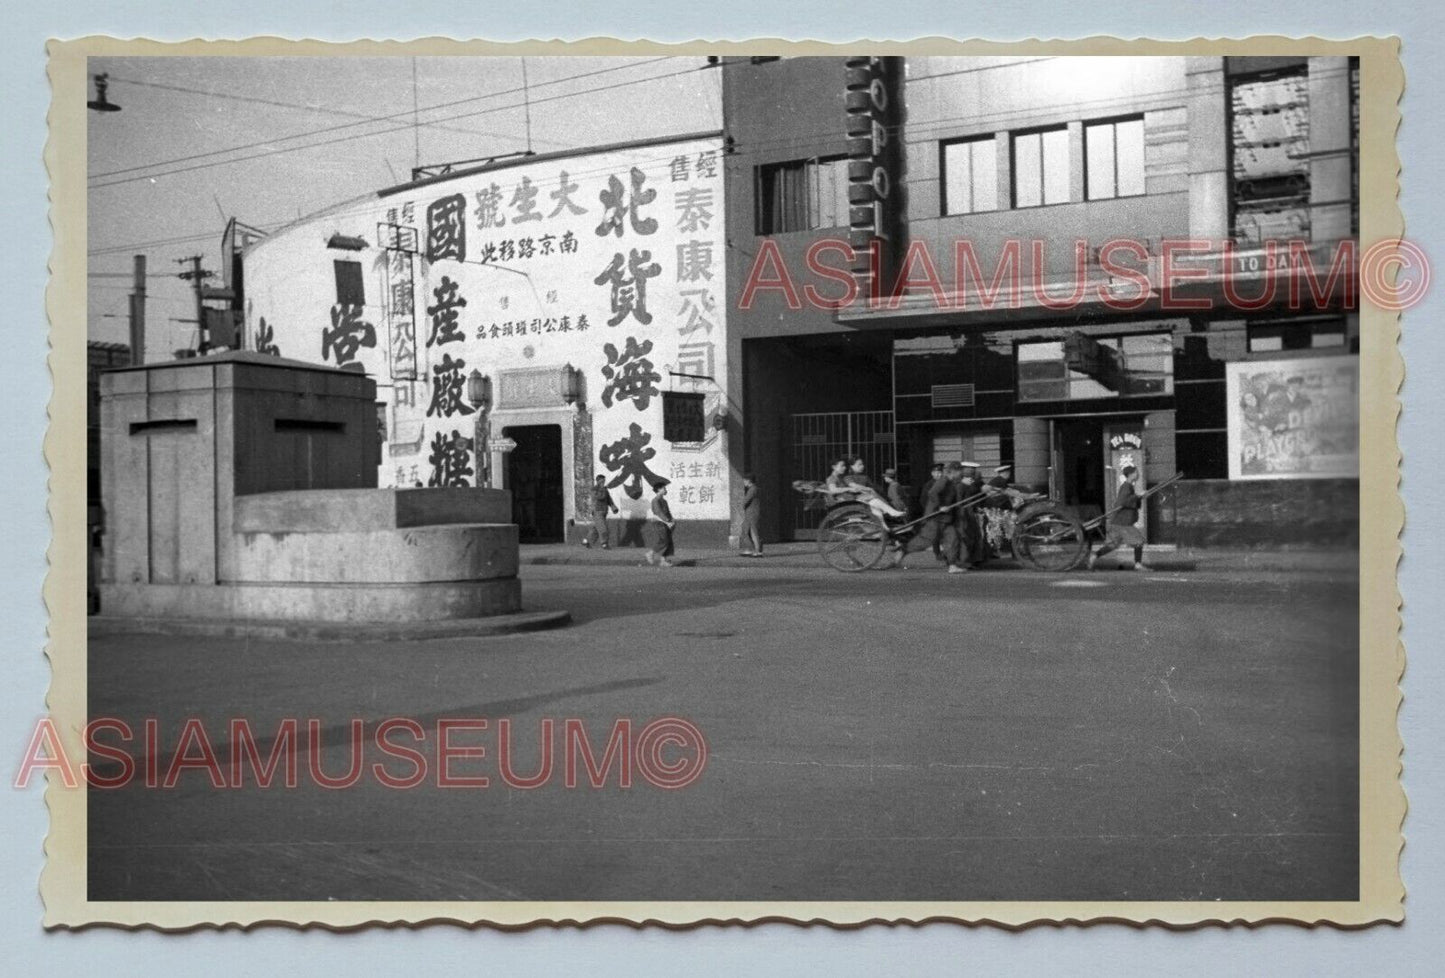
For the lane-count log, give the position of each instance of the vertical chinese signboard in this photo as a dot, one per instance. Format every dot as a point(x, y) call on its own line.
point(610, 262)
point(1294, 419)
point(872, 105)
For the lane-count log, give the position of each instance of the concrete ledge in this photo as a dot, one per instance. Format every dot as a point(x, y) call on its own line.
point(450, 552)
point(354, 510)
point(344, 603)
point(330, 631)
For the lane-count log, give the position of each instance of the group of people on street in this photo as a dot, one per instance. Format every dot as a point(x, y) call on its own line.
point(947, 527)
point(657, 533)
point(947, 524)
point(963, 536)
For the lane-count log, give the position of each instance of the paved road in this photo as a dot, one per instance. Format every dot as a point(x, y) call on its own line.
point(882, 736)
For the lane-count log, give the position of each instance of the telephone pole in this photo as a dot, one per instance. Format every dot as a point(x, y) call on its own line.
point(138, 313)
point(196, 276)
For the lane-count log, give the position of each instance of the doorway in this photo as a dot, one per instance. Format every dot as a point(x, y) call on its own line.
point(1089, 455)
point(534, 477)
point(1077, 476)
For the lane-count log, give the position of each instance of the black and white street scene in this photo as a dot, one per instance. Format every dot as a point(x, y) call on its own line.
point(724, 478)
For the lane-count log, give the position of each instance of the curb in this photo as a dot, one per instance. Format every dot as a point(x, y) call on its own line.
point(329, 631)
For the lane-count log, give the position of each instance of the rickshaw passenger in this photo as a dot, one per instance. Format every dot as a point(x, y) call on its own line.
point(844, 485)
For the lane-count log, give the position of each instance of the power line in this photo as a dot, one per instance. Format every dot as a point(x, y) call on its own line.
point(1158, 95)
point(278, 104)
point(1149, 101)
point(158, 243)
point(366, 120)
point(383, 132)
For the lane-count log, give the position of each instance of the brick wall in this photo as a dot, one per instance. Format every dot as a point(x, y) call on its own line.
point(1265, 513)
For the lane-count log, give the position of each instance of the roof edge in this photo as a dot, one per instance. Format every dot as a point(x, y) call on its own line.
point(560, 154)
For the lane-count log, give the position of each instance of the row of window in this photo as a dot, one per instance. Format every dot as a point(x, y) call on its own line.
point(1040, 165)
point(807, 195)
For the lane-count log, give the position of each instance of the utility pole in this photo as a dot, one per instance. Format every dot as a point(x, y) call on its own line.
point(196, 276)
point(138, 313)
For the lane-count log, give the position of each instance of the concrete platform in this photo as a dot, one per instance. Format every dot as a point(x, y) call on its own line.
point(341, 510)
point(418, 555)
point(330, 631)
point(344, 603)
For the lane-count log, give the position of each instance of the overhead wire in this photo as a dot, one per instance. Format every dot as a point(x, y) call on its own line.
point(376, 119)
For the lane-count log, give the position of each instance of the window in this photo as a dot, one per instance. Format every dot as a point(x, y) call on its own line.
point(1295, 334)
point(349, 291)
point(970, 176)
point(1041, 167)
point(802, 195)
point(1114, 158)
point(1081, 367)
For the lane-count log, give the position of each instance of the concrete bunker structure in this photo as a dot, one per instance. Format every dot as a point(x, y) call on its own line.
point(243, 487)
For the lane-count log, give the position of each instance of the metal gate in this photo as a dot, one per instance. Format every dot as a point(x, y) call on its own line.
point(821, 439)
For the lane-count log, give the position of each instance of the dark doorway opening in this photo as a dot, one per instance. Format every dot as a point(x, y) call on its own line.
point(1079, 464)
point(534, 477)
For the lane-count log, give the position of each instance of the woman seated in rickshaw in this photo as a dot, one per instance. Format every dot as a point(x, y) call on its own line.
point(849, 482)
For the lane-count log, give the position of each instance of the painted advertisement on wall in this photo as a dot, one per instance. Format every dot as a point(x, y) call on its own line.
point(611, 263)
point(1294, 419)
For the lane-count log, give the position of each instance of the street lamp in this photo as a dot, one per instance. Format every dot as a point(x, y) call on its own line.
point(101, 103)
point(479, 392)
point(571, 385)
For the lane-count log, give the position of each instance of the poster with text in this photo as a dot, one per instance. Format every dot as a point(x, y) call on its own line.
point(1294, 419)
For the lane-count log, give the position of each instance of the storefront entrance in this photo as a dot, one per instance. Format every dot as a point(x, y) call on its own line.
point(534, 477)
point(1088, 454)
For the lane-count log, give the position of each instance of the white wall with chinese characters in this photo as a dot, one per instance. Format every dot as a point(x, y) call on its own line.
point(609, 261)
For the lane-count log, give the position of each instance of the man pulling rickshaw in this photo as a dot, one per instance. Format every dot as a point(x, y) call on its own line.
point(860, 526)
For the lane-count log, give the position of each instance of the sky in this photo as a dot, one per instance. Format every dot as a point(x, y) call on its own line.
point(267, 140)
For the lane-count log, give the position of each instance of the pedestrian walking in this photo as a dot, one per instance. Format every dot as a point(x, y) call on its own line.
point(602, 504)
point(660, 524)
point(1123, 524)
point(748, 535)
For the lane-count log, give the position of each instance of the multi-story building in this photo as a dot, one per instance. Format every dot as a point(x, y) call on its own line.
point(532, 323)
point(1102, 260)
point(1082, 262)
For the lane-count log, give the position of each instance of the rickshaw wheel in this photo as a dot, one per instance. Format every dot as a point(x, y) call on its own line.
point(851, 539)
point(1050, 538)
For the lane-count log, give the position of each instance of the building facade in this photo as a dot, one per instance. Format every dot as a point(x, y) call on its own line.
point(531, 323)
point(1082, 263)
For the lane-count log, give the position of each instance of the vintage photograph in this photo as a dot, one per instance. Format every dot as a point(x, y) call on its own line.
point(836, 478)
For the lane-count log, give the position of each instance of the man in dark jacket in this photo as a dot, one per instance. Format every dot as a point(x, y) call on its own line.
point(942, 529)
point(1123, 524)
point(602, 504)
point(936, 476)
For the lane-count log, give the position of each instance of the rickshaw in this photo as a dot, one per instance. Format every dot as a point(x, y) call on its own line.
point(1046, 535)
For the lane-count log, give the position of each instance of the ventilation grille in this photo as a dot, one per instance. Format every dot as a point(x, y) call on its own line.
point(952, 395)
